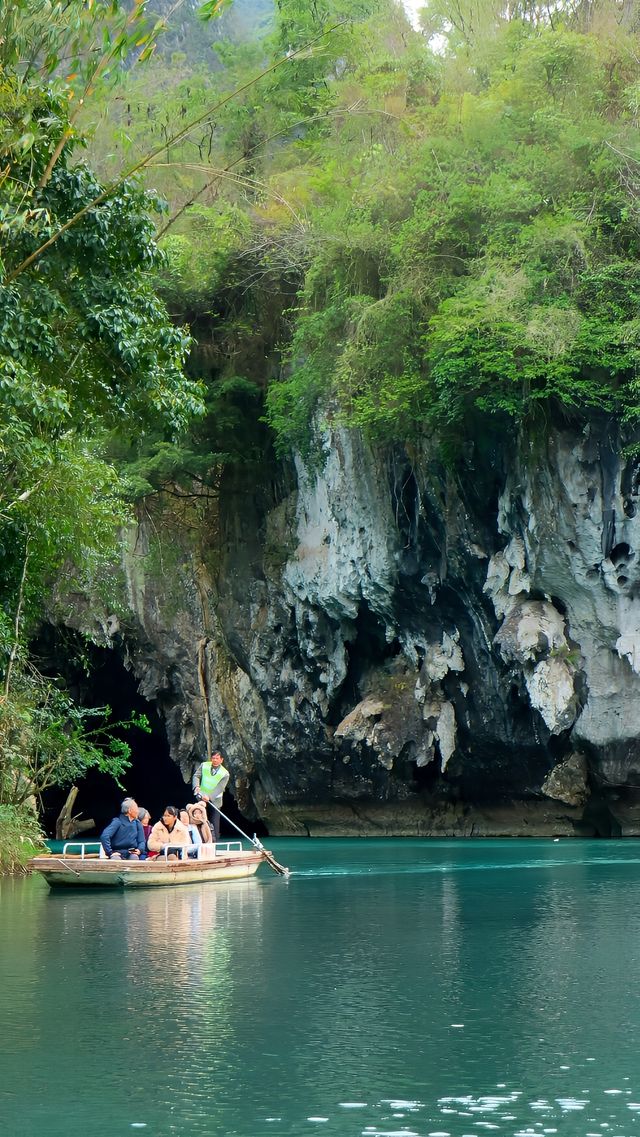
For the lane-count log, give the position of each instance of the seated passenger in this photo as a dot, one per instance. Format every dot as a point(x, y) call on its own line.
point(192, 830)
point(198, 815)
point(169, 833)
point(123, 837)
point(144, 817)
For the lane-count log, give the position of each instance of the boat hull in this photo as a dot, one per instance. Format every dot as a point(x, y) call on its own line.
point(71, 871)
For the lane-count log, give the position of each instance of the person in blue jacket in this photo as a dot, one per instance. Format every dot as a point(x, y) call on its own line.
point(124, 836)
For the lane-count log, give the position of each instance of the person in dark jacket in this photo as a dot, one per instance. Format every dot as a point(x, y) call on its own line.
point(124, 837)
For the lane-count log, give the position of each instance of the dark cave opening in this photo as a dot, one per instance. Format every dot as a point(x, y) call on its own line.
point(621, 552)
point(367, 648)
point(406, 497)
point(428, 779)
point(96, 677)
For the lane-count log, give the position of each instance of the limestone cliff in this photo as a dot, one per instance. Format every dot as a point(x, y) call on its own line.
point(388, 646)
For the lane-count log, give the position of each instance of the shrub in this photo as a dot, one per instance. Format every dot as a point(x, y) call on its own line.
point(20, 837)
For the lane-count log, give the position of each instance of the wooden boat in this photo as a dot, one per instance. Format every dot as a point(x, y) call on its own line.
point(78, 865)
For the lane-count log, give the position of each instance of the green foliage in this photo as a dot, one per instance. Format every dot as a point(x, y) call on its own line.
point(202, 257)
point(70, 518)
point(496, 270)
point(444, 232)
point(229, 434)
point(85, 343)
point(20, 838)
point(85, 328)
point(47, 740)
point(71, 42)
point(86, 347)
point(292, 402)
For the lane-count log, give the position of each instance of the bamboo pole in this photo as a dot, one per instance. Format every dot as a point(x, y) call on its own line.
point(269, 857)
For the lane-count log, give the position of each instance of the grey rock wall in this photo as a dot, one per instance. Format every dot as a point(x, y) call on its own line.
point(389, 646)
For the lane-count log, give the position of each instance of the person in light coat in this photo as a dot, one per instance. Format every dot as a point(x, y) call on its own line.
point(168, 833)
point(198, 813)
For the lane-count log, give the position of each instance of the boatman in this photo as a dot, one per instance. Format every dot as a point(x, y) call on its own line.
point(124, 836)
point(209, 783)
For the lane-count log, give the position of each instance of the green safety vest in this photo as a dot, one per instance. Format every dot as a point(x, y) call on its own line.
point(209, 781)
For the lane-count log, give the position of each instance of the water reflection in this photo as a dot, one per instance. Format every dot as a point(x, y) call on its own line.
point(119, 995)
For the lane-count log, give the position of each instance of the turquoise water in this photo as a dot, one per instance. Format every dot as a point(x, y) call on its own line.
point(387, 989)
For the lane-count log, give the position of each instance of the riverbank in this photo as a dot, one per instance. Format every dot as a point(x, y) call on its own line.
point(616, 816)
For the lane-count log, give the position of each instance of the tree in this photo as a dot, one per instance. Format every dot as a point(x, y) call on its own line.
point(85, 346)
point(50, 741)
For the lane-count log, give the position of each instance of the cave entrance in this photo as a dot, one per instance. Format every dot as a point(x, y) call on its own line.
point(366, 649)
point(96, 677)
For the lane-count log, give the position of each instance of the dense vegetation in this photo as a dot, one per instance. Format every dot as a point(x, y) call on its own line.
point(401, 230)
point(86, 348)
point(441, 227)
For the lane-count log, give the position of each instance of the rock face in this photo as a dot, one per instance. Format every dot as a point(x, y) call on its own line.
point(386, 646)
point(568, 781)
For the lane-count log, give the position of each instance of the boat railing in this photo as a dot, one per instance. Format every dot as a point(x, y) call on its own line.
point(222, 848)
point(204, 852)
point(207, 851)
point(84, 849)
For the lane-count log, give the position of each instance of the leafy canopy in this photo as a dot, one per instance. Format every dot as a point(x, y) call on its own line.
point(483, 257)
